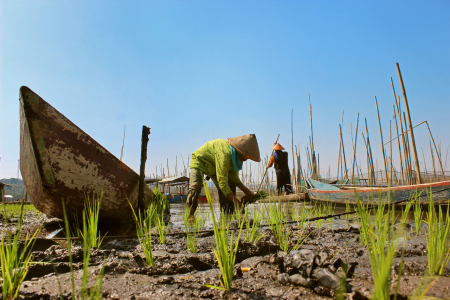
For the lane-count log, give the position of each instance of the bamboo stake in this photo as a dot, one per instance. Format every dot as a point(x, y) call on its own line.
point(413, 142)
point(408, 151)
point(381, 135)
point(369, 173)
point(266, 168)
point(343, 153)
point(405, 150)
point(354, 147)
point(339, 159)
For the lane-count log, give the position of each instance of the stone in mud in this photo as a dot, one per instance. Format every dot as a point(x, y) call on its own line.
point(299, 280)
point(326, 278)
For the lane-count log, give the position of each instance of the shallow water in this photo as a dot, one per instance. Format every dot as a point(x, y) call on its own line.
point(177, 210)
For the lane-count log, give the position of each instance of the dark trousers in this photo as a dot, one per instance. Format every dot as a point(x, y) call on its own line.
point(284, 180)
point(195, 188)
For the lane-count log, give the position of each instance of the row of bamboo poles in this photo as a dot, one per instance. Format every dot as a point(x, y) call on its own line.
point(406, 172)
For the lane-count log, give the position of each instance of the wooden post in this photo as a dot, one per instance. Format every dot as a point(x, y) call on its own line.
point(292, 144)
point(382, 144)
point(399, 148)
point(413, 142)
point(145, 134)
point(343, 153)
point(354, 149)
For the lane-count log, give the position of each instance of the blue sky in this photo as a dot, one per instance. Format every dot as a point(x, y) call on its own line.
point(194, 71)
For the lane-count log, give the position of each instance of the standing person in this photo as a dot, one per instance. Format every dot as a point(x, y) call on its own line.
point(280, 159)
point(221, 160)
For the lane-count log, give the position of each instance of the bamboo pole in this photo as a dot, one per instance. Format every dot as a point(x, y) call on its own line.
point(292, 145)
point(413, 142)
point(266, 168)
point(408, 151)
point(381, 136)
point(405, 150)
point(354, 147)
point(369, 172)
point(343, 153)
point(339, 158)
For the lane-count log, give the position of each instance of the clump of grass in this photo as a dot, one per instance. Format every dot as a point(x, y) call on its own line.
point(347, 210)
point(329, 209)
point(417, 214)
point(225, 250)
point(158, 219)
point(91, 235)
point(192, 226)
point(15, 263)
point(437, 238)
point(282, 233)
point(85, 292)
point(380, 240)
point(319, 211)
point(405, 212)
point(252, 228)
point(160, 201)
point(305, 214)
point(143, 229)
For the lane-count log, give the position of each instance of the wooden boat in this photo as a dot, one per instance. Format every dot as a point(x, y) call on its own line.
point(320, 191)
point(60, 162)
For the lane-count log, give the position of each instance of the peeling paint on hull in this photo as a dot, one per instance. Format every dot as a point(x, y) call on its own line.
point(59, 161)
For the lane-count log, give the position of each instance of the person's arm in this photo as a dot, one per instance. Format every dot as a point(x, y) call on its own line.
point(271, 161)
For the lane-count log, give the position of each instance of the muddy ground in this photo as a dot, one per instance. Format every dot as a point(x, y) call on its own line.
point(262, 271)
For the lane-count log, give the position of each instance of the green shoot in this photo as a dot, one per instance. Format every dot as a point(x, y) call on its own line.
point(417, 213)
point(14, 262)
point(143, 229)
point(437, 238)
point(252, 231)
point(160, 225)
point(329, 208)
point(381, 243)
point(225, 250)
point(91, 235)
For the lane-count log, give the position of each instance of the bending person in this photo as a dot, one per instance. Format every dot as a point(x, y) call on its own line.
point(222, 160)
point(280, 159)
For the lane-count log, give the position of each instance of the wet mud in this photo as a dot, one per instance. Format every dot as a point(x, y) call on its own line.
point(329, 260)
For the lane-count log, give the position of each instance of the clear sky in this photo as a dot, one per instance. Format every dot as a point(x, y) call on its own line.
point(194, 71)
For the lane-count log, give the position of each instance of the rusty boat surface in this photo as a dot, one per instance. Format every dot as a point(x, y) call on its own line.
point(60, 162)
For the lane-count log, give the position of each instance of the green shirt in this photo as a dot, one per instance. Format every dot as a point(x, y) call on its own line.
point(214, 159)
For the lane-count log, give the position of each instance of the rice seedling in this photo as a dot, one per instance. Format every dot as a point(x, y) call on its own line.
point(405, 212)
point(85, 292)
point(91, 235)
point(347, 210)
point(305, 214)
point(417, 214)
point(281, 232)
point(329, 210)
point(252, 228)
point(192, 227)
point(160, 201)
point(143, 229)
point(381, 242)
point(437, 238)
point(225, 250)
point(159, 223)
point(13, 210)
point(14, 262)
point(319, 212)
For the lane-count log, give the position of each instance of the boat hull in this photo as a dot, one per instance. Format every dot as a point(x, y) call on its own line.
point(439, 190)
point(60, 162)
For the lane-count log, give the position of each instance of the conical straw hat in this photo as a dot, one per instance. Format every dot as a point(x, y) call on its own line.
point(277, 147)
point(246, 145)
